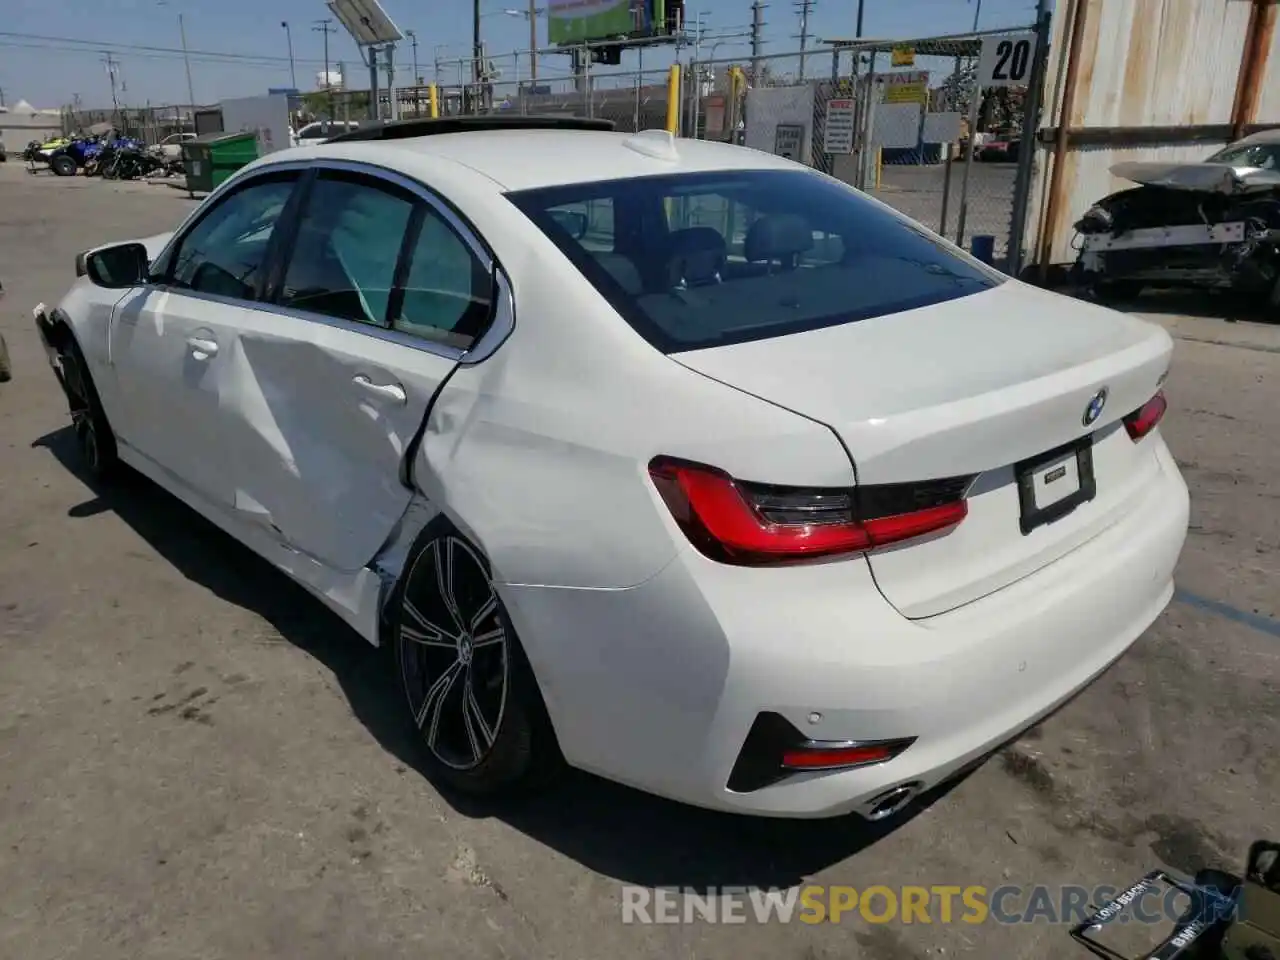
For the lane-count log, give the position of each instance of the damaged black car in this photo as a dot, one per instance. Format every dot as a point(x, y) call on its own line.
point(1210, 225)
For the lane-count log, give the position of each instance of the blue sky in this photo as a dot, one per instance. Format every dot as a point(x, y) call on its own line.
point(51, 72)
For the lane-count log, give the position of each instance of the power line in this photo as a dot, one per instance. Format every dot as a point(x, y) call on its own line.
point(248, 63)
point(91, 46)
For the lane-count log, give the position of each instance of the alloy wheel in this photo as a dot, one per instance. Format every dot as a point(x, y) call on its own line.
point(454, 651)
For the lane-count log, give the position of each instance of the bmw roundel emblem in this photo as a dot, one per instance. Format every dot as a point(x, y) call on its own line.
point(1094, 410)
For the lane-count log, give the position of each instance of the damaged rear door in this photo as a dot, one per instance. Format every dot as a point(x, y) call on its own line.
point(377, 298)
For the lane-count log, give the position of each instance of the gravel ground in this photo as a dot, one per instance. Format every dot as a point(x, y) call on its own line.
point(198, 761)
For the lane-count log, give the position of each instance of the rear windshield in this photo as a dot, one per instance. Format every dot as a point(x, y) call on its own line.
point(704, 260)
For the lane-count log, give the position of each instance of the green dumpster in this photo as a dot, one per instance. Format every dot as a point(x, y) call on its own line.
point(211, 158)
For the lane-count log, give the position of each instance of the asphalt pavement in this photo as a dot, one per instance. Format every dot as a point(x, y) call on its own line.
point(198, 761)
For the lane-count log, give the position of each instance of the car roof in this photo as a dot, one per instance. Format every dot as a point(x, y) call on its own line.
point(1262, 136)
point(527, 159)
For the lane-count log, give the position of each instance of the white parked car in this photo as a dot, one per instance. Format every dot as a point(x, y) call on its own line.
point(170, 148)
point(321, 130)
point(676, 459)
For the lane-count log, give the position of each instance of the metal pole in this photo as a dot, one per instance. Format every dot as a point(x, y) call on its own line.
point(858, 32)
point(323, 26)
point(393, 107)
point(288, 35)
point(757, 38)
point(533, 44)
point(804, 33)
point(1027, 149)
point(182, 32)
point(974, 100)
point(869, 125)
point(414, 38)
point(635, 122)
point(946, 190)
point(477, 51)
point(374, 113)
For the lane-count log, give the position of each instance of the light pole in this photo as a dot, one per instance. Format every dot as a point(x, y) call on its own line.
point(976, 14)
point(288, 35)
point(532, 16)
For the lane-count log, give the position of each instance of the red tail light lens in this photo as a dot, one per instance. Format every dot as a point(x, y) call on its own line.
point(754, 524)
point(1143, 420)
point(825, 755)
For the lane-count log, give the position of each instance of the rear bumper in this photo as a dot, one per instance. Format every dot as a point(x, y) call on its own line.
point(658, 685)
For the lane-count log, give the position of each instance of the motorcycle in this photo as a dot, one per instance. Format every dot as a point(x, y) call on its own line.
point(106, 162)
point(132, 162)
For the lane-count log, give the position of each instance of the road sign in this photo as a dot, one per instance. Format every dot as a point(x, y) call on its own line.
point(1006, 60)
point(904, 56)
point(837, 134)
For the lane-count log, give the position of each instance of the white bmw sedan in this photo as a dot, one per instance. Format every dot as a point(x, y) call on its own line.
point(674, 460)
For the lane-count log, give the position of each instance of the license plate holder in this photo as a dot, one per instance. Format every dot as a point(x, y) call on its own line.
point(1039, 502)
point(1206, 918)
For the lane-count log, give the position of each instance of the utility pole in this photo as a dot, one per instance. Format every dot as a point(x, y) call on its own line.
point(803, 7)
point(186, 60)
point(413, 39)
point(326, 27)
point(477, 51)
point(976, 14)
point(288, 34)
point(533, 43)
point(112, 64)
point(757, 38)
point(858, 30)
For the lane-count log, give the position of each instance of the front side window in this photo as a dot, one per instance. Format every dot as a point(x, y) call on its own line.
point(708, 259)
point(225, 253)
point(343, 262)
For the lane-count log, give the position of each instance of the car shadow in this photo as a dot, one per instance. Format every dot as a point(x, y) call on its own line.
point(611, 829)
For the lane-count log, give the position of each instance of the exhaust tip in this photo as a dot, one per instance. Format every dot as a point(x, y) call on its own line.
point(887, 804)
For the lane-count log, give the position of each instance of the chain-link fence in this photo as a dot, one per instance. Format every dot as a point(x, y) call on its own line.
point(890, 117)
point(148, 123)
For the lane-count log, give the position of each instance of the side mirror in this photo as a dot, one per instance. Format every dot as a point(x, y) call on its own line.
point(115, 267)
point(572, 223)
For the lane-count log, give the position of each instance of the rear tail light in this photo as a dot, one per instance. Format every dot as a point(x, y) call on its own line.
point(1143, 420)
point(754, 524)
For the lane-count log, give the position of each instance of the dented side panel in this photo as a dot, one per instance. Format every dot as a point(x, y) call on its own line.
point(320, 415)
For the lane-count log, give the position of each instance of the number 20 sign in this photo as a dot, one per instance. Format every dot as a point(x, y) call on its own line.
point(1006, 60)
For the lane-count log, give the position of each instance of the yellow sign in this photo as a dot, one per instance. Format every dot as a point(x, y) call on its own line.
point(907, 93)
point(904, 56)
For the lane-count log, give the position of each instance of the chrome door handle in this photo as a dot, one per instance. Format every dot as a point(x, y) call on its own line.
point(202, 348)
point(383, 391)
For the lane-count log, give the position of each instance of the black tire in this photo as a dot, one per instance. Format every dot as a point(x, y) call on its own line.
point(6, 371)
point(94, 437)
point(471, 694)
point(63, 166)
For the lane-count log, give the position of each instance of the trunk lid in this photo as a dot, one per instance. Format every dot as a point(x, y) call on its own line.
point(973, 386)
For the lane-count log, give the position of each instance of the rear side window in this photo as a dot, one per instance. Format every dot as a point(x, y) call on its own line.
point(704, 260)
